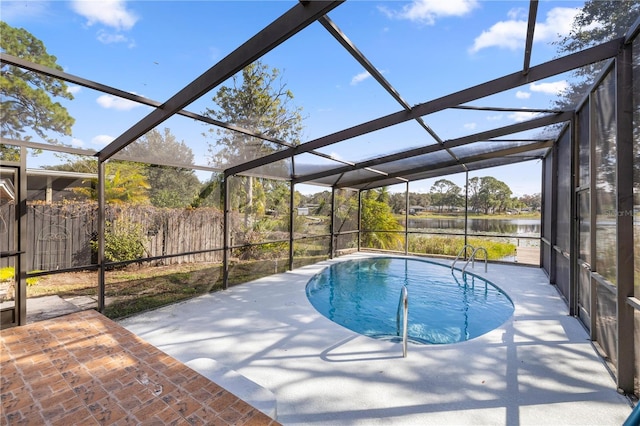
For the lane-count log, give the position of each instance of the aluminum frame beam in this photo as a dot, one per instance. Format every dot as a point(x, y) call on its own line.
point(468, 160)
point(51, 72)
point(61, 75)
point(548, 69)
point(494, 133)
point(531, 26)
point(634, 30)
point(90, 153)
point(437, 173)
point(290, 23)
point(348, 45)
point(333, 29)
point(47, 146)
point(503, 109)
point(625, 335)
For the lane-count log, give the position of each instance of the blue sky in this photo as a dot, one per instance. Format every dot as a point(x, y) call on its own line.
point(424, 48)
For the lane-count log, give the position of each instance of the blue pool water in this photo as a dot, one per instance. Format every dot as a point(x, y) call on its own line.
point(444, 307)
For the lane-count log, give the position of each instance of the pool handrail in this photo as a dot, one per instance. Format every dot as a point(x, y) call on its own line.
point(472, 258)
point(403, 305)
point(463, 249)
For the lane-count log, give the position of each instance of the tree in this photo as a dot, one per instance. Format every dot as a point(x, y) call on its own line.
point(209, 192)
point(124, 183)
point(473, 193)
point(597, 22)
point(168, 186)
point(382, 228)
point(419, 199)
point(494, 195)
point(323, 202)
point(26, 104)
point(445, 193)
point(258, 101)
point(80, 165)
point(534, 202)
point(397, 202)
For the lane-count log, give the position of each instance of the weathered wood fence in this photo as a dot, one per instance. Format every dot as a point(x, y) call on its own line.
point(59, 235)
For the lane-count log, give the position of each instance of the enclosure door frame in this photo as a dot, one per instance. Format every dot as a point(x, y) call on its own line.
point(17, 314)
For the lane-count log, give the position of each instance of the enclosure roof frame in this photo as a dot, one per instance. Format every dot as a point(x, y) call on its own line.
point(286, 26)
point(551, 68)
point(289, 24)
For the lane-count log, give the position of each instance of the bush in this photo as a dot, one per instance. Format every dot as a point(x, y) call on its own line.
point(123, 240)
point(451, 246)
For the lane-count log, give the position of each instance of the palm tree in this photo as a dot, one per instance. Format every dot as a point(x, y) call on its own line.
point(124, 183)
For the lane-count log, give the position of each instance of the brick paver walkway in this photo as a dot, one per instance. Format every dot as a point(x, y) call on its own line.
point(84, 369)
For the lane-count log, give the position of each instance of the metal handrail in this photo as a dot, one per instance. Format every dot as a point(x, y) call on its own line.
point(472, 258)
point(463, 249)
point(403, 305)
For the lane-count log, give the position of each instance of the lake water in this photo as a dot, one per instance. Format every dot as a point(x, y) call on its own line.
point(524, 227)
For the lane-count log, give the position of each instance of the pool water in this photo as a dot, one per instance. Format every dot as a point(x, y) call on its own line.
point(444, 307)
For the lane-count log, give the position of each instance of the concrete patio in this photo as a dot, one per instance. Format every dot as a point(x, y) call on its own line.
point(537, 368)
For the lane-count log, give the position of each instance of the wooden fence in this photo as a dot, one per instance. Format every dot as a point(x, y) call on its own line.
point(59, 236)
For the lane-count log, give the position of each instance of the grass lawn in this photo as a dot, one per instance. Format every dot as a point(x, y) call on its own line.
point(137, 288)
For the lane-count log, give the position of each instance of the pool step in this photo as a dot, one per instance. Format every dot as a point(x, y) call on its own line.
point(245, 389)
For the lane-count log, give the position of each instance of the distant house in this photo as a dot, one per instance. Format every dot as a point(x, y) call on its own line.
point(416, 209)
point(55, 185)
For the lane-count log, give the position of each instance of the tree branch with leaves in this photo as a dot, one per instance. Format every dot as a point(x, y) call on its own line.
point(27, 108)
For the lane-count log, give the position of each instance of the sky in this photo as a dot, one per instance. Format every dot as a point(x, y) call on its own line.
point(424, 48)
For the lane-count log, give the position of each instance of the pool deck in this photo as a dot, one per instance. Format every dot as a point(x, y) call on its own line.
point(538, 368)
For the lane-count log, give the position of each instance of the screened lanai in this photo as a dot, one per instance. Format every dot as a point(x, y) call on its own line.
point(221, 228)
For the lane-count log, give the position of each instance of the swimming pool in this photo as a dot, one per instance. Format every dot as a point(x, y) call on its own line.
point(444, 307)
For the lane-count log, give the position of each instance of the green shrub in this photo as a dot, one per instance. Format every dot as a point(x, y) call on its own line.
point(123, 240)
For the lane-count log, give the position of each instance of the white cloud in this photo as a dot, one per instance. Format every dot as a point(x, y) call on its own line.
point(511, 34)
point(521, 116)
point(470, 126)
point(555, 88)
point(506, 34)
point(495, 117)
point(359, 78)
point(112, 13)
point(559, 21)
point(522, 95)
point(517, 13)
point(74, 89)
point(109, 38)
point(102, 140)
point(427, 11)
point(112, 102)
